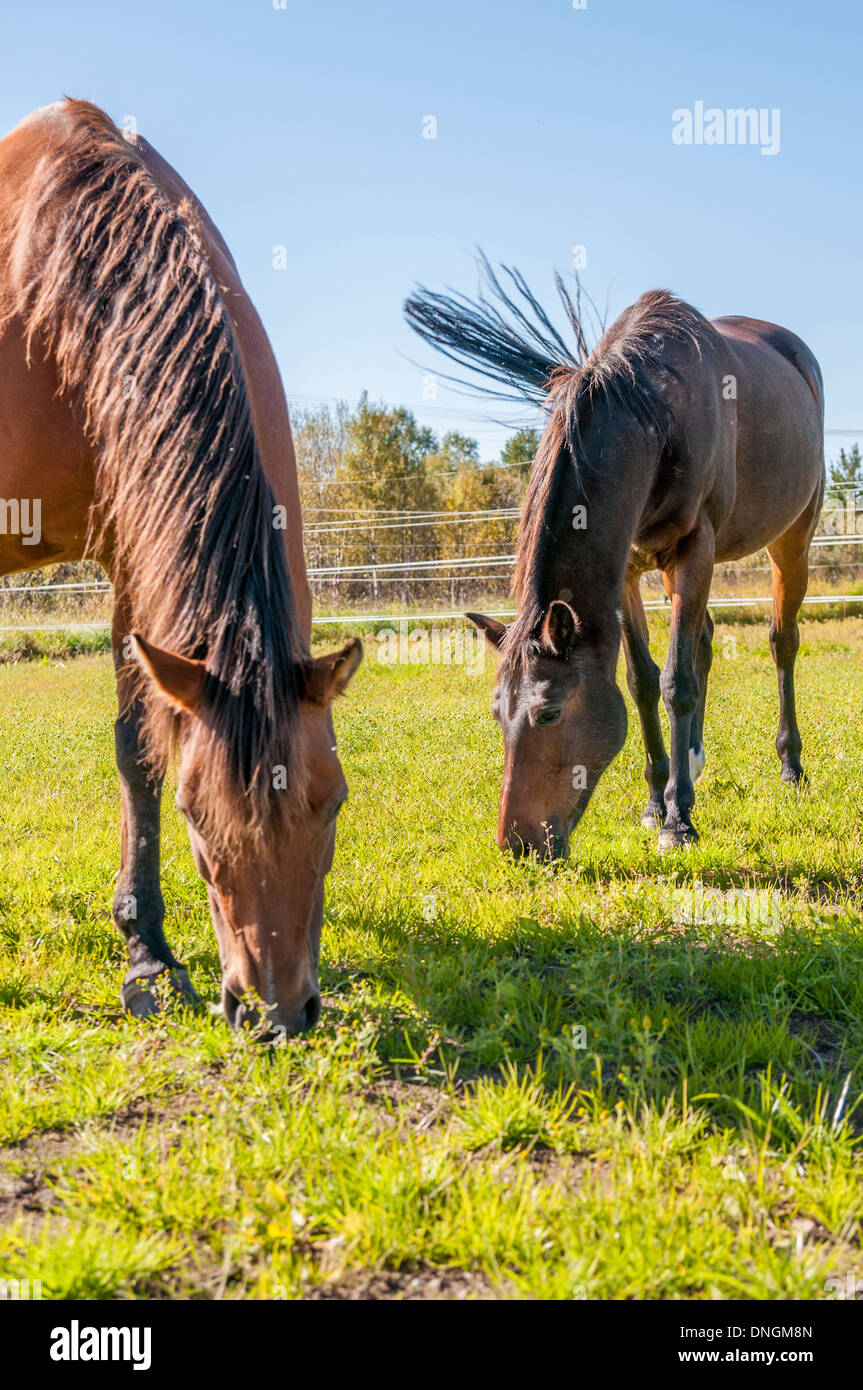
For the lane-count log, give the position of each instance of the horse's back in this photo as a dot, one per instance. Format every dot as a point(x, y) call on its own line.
point(759, 332)
point(43, 452)
point(27, 397)
point(47, 123)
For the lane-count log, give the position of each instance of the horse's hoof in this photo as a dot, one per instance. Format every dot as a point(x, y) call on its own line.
point(653, 818)
point(138, 998)
point(795, 777)
point(183, 985)
point(141, 996)
point(677, 837)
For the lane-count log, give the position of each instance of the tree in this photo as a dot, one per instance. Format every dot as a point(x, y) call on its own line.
point(459, 450)
point(484, 492)
point(455, 451)
point(846, 476)
point(320, 440)
point(520, 449)
point(385, 470)
point(365, 479)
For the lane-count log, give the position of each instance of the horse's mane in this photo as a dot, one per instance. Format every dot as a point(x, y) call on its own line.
point(508, 338)
point(118, 290)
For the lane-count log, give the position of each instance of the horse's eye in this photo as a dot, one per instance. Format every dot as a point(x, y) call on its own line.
point(548, 716)
point(189, 815)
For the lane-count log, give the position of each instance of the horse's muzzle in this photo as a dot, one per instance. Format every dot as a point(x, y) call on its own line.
point(279, 1022)
point(548, 841)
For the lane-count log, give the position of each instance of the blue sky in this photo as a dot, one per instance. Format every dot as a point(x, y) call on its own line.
point(303, 127)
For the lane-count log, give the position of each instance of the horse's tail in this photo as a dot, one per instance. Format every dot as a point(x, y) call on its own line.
point(810, 371)
point(517, 345)
point(117, 288)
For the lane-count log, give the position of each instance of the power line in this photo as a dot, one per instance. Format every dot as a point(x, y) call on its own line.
point(496, 560)
point(349, 528)
point(419, 477)
point(405, 566)
point(426, 407)
point(430, 407)
point(431, 579)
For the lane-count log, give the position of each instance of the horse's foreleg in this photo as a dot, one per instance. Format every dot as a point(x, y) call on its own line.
point(789, 563)
point(703, 663)
point(139, 909)
point(642, 677)
point(687, 576)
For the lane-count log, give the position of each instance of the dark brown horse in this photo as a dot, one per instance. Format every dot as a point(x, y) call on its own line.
point(141, 406)
point(674, 444)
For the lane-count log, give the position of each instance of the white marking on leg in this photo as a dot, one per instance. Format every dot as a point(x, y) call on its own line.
point(697, 759)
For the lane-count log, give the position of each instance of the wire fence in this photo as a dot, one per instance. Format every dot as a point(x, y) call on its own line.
point(449, 558)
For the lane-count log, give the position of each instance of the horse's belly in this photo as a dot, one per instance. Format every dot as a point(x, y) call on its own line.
point(764, 509)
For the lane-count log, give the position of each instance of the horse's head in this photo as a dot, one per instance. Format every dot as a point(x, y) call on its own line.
point(266, 890)
point(563, 720)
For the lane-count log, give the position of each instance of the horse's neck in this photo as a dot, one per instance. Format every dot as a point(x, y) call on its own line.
point(595, 521)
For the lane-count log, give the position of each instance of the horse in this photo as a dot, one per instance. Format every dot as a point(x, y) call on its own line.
point(141, 403)
point(675, 443)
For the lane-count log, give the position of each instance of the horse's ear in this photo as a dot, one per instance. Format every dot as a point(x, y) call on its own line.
point(180, 679)
point(560, 627)
point(494, 631)
point(330, 675)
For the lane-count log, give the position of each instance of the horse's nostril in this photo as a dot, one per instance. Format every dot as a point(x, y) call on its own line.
point(232, 1009)
point(237, 1013)
point(311, 1012)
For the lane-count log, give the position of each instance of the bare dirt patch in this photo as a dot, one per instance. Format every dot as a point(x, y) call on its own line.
point(26, 1171)
point(29, 1169)
point(418, 1283)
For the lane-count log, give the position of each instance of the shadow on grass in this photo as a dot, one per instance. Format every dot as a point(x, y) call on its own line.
point(634, 1011)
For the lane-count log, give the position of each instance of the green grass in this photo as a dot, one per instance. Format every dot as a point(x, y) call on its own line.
point(528, 1081)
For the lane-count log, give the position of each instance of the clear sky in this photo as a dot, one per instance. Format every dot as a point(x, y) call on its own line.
point(303, 127)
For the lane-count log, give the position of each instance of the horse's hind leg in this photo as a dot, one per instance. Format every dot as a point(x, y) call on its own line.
point(789, 563)
point(642, 677)
point(139, 909)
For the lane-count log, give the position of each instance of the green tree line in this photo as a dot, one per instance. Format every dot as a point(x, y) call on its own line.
point(380, 489)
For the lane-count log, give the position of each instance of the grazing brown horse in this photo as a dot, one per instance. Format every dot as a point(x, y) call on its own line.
point(141, 407)
point(676, 443)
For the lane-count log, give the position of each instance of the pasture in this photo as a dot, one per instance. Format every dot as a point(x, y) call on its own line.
point(528, 1081)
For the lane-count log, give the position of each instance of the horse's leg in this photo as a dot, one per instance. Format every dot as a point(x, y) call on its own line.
point(642, 677)
point(688, 576)
point(789, 564)
point(139, 909)
point(703, 663)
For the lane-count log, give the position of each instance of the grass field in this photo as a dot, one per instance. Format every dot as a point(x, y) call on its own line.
point(528, 1081)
